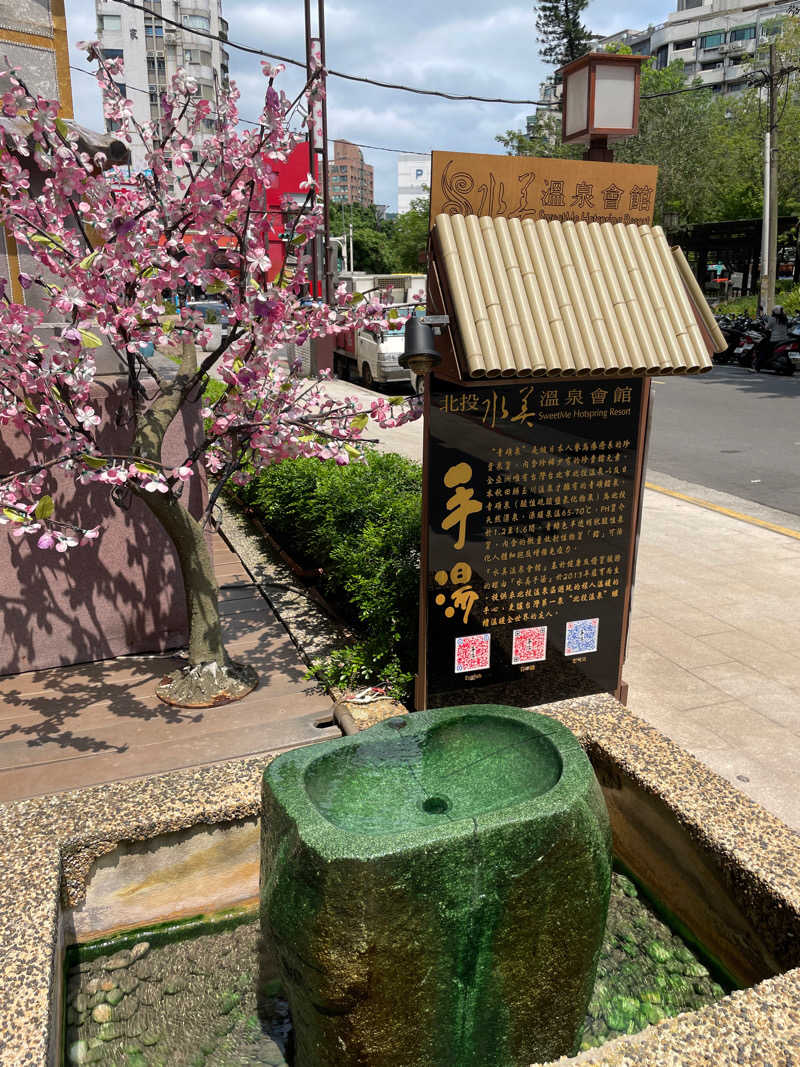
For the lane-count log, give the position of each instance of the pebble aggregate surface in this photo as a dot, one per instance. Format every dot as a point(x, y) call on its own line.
point(48, 846)
point(194, 1003)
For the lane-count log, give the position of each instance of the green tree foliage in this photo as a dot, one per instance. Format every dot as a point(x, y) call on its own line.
point(372, 236)
point(709, 148)
point(411, 236)
point(384, 246)
point(562, 35)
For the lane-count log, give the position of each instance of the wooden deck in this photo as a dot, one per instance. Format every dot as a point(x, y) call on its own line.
point(68, 727)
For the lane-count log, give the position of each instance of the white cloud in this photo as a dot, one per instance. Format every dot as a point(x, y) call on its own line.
point(454, 47)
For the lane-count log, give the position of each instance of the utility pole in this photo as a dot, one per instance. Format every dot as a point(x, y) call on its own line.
point(318, 151)
point(326, 198)
point(312, 153)
point(772, 253)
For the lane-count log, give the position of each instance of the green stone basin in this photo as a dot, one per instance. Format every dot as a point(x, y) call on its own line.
point(436, 890)
point(457, 770)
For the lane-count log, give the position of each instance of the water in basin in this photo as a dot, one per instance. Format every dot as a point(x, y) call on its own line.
point(459, 769)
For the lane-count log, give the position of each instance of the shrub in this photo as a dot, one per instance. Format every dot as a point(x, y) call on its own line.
point(361, 525)
point(787, 294)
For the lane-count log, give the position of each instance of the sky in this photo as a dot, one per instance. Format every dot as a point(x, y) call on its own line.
point(463, 47)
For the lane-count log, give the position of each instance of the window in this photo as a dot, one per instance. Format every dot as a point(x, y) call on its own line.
point(714, 64)
point(156, 65)
point(112, 53)
point(679, 46)
point(769, 29)
point(197, 22)
point(712, 40)
point(111, 22)
point(122, 89)
point(153, 31)
point(743, 33)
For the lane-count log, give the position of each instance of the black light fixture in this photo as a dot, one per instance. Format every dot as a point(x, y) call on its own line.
point(419, 351)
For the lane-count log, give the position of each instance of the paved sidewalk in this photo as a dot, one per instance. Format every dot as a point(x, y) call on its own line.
point(712, 657)
point(69, 727)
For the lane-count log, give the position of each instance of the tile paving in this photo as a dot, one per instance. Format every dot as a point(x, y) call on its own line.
point(69, 727)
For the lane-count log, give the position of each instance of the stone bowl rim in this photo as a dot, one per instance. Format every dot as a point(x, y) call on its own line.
point(285, 778)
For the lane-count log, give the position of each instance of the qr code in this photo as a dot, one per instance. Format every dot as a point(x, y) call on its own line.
point(529, 645)
point(472, 653)
point(581, 637)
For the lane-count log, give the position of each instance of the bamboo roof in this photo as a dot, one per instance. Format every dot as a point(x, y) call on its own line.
point(556, 298)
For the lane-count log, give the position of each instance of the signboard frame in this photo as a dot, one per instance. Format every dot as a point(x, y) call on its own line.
point(531, 187)
point(633, 523)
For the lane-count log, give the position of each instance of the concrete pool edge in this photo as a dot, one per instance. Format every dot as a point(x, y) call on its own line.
point(50, 846)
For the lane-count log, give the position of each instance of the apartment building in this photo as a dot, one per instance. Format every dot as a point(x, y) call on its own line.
point(351, 179)
point(713, 40)
point(153, 49)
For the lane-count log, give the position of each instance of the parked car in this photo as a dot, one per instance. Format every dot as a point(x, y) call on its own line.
point(215, 312)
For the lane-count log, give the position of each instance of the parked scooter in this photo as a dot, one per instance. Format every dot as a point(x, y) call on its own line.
point(780, 359)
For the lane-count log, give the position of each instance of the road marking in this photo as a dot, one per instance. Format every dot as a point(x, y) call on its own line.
point(724, 511)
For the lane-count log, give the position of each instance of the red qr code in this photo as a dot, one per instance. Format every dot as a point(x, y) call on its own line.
point(529, 645)
point(472, 653)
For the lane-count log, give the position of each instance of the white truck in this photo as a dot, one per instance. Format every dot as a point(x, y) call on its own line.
point(373, 356)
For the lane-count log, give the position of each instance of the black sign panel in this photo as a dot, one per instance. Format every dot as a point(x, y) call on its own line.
point(531, 499)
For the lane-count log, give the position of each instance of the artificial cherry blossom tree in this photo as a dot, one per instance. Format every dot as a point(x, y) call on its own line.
point(108, 252)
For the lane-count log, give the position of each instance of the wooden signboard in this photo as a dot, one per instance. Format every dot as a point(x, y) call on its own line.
point(526, 187)
point(531, 496)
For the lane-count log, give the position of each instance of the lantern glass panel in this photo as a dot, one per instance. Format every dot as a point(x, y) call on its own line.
point(577, 92)
point(613, 96)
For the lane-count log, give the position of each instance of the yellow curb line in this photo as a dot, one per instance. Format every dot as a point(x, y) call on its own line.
point(724, 511)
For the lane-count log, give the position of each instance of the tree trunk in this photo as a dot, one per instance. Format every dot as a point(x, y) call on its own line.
point(199, 581)
point(211, 678)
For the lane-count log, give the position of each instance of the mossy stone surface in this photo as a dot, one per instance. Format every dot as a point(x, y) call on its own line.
point(437, 893)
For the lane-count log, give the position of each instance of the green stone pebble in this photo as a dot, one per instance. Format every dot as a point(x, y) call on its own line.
point(148, 1038)
point(658, 952)
point(114, 997)
point(136, 1059)
point(173, 985)
point(228, 1002)
point(78, 1052)
point(102, 1013)
point(626, 885)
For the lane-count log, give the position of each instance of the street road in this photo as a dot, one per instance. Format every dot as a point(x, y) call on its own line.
point(732, 431)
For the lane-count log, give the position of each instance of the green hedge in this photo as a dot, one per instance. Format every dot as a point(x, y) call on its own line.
point(361, 524)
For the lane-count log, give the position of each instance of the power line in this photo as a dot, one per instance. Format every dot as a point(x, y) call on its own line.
point(331, 73)
point(252, 122)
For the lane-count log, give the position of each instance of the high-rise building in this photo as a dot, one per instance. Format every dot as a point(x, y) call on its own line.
point(351, 179)
point(413, 179)
point(153, 49)
point(713, 39)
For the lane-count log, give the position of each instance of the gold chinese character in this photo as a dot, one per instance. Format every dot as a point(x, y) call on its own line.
point(461, 505)
point(574, 398)
point(622, 394)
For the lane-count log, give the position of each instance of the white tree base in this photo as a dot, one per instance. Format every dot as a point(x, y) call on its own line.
point(207, 685)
